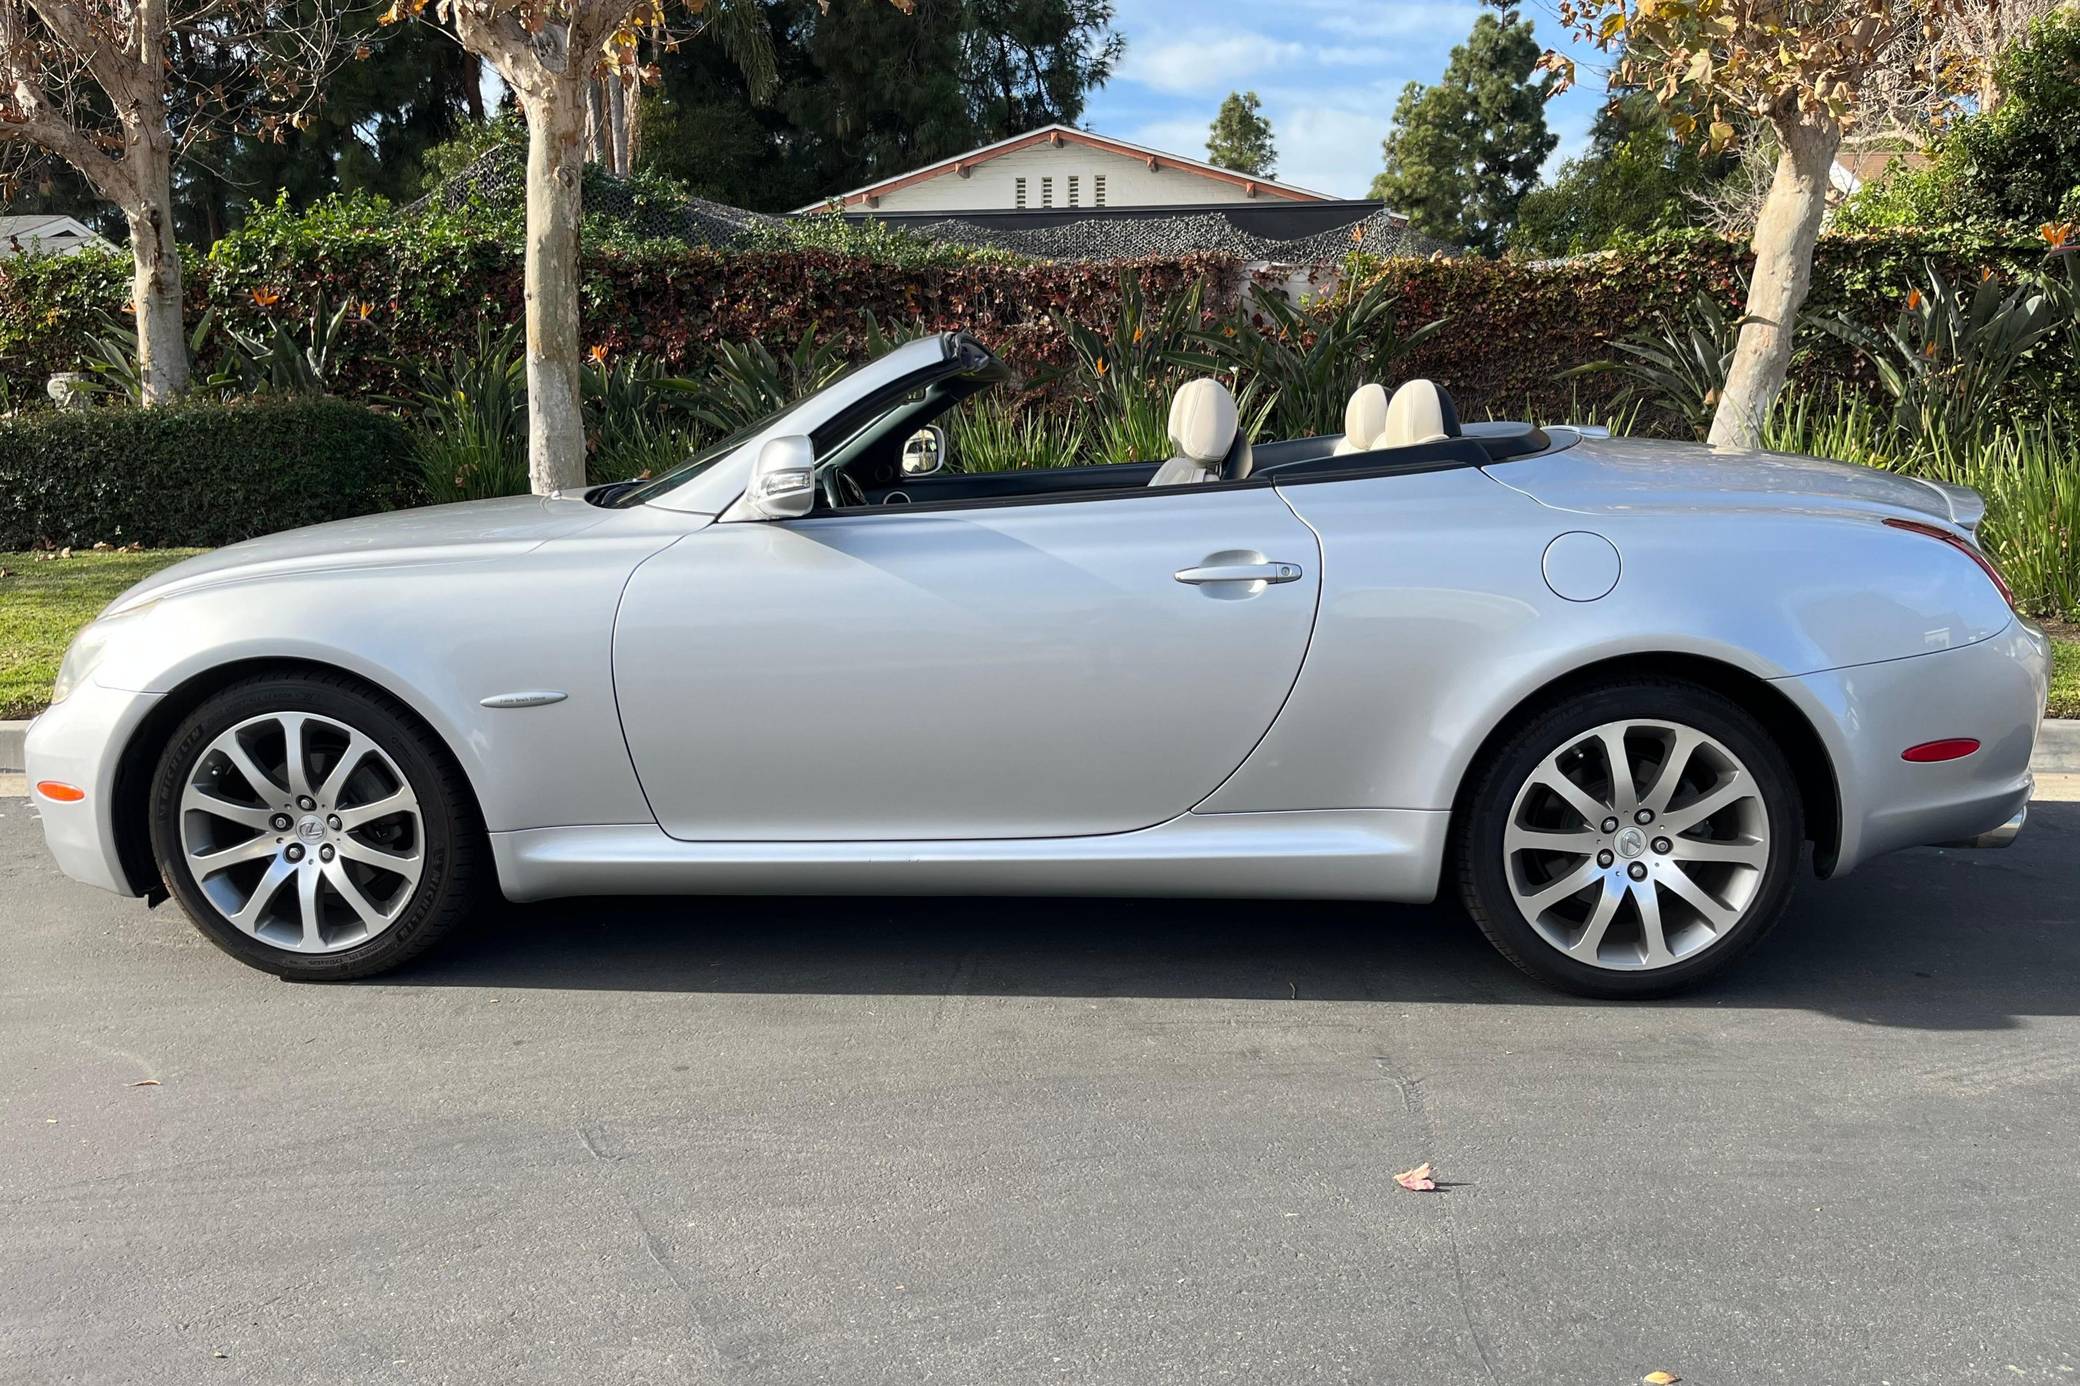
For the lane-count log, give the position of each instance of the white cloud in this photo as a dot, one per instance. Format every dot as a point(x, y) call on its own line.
point(1207, 60)
point(1452, 19)
point(1180, 135)
point(1329, 149)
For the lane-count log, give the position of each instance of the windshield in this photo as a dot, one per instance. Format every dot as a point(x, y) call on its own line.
point(696, 464)
point(715, 452)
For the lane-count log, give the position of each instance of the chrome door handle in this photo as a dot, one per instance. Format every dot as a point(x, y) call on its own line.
point(1238, 572)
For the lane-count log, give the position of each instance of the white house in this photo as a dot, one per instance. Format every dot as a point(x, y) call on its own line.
point(45, 234)
point(1059, 167)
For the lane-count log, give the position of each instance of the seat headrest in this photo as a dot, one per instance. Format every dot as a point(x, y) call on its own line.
point(1202, 421)
point(1366, 414)
point(1363, 418)
point(1419, 413)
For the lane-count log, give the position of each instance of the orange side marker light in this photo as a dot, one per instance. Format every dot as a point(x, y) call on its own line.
point(59, 792)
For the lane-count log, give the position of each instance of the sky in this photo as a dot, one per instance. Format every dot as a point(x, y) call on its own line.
point(1327, 71)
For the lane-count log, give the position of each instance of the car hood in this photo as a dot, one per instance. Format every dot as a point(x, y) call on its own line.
point(1603, 476)
point(431, 535)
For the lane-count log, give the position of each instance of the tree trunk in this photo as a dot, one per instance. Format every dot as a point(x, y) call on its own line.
point(635, 125)
point(1784, 237)
point(556, 120)
point(473, 85)
point(596, 122)
point(155, 282)
point(617, 125)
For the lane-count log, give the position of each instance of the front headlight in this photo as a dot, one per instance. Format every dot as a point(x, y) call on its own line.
point(86, 650)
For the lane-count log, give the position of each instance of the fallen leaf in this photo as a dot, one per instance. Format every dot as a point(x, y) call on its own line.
point(146, 1083)
point(1417, 1180)
point(1661, 1379)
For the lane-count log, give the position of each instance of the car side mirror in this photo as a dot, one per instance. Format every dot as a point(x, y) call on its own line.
point(924, 451)
point(783, 479)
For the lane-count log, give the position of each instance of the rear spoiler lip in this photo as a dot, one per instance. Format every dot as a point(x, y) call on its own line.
point(1965, 506)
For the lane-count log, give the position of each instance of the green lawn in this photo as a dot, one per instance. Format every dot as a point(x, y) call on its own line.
point(43, 601)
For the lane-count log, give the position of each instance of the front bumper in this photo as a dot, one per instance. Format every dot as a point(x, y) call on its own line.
point(1867, 714)
point(80, 742)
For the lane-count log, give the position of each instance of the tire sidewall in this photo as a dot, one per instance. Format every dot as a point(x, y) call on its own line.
point(1484, 865)
point(402, 742)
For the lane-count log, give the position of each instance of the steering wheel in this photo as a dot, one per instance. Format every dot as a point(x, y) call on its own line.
point(840, 490)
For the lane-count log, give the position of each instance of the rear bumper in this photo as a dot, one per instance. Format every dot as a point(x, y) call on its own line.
point(80, 742)
point(1867, 714)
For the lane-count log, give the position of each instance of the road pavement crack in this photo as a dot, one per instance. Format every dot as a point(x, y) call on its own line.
point(1418, 1109)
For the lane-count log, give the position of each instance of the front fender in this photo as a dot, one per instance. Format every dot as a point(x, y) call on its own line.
point(440, 638)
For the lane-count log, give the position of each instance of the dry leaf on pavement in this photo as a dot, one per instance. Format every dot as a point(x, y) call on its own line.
point(1661, 1379)
point(1417, 1180)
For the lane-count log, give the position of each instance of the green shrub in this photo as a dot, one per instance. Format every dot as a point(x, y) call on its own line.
point(1679, 369)
point(196, 474)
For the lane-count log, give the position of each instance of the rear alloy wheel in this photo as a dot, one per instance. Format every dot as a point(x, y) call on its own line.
point(310, 829)
point(1632, 840)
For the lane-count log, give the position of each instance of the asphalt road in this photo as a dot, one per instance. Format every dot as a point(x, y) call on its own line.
point(1002, 1142)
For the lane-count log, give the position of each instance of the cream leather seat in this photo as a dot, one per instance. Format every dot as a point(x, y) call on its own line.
point(1203, 431)
point(1363, 419)
point(1418, 413)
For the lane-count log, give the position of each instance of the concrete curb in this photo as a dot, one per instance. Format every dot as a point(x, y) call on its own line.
point(2058, 747)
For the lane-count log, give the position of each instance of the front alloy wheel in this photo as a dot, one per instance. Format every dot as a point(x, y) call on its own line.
point(1632, 839)
point(302, 832)
point(311, 827)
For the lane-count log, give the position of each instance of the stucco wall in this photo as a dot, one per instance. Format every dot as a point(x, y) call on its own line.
point(992, 186)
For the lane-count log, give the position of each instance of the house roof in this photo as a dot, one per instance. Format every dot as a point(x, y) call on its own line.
point(42, 229)
point(1068, 134)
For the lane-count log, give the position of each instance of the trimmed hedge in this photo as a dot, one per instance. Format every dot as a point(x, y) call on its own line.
point(196, 474)
point(425, 285)
point(1515, 325)
point(425, 289)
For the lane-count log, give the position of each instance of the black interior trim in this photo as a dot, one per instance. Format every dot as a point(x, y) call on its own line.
point(1042, 498)
point(1441, 455)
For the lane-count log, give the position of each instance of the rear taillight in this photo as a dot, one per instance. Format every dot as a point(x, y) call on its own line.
point(1993, 574)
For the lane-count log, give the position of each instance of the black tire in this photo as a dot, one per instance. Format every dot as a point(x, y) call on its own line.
point(1482, 862)
point(452, 838)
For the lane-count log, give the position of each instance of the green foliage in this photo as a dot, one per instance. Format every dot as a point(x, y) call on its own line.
point(2020, 164)
point(1307, 360)
point(1947, 359)
point(285, 358)
point(470, 141)
point(2003, 171)
point(997, 432)
point(1903, 197)
point(633, 426)
point(1121, 372)
point(866, 90)
point(748, 381)
point(196, 473)
point(1240, 137)
point(1464, 153)
point(469, 418)
point(1636, 178)
point(1679, 368)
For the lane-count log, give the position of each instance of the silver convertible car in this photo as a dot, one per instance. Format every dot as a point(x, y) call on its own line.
point(1604, 691)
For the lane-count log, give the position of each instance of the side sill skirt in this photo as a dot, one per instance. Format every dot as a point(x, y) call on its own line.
point(1362, 854)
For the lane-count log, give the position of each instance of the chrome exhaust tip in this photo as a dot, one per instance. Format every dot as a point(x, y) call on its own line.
point(1997, 837)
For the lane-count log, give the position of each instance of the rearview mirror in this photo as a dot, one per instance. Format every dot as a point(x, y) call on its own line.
point(783, 480)
point(924, 451)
